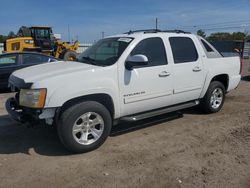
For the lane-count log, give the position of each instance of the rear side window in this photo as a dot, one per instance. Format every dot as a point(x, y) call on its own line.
point(208, 48)
point(183, 49)
point(34, 59)
point(154, 49)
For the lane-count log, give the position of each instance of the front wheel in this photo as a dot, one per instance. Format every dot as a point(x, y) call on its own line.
point(214, 98)
point(84, 127)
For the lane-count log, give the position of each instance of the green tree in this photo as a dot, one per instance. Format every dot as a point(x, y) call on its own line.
point(238, 36)
point(201, 33)
point(1, 38)
point(11, 34)
point(222, 36)
point(219, 36)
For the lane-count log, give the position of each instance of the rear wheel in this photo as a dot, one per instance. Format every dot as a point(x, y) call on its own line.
point(70, 55)
point(214, 98)
point(84, 127)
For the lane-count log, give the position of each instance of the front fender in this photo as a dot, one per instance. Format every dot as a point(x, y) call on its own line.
point(59, 97)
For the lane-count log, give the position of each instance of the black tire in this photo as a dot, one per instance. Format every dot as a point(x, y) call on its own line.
point(69, 56)
point(69, 118)
point(206, 104)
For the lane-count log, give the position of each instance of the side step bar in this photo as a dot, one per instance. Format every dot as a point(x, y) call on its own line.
point(149, 114)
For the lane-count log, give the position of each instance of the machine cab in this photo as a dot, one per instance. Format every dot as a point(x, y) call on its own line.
point(43, 37)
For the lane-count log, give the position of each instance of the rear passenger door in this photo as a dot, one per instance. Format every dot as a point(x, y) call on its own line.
point(187, 69)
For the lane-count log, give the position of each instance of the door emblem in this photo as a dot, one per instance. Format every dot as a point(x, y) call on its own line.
point(133, 94)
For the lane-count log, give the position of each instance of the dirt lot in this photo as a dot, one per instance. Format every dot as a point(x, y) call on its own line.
point(196, 150)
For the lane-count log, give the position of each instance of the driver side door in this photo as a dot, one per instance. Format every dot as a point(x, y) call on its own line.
point(149, 86)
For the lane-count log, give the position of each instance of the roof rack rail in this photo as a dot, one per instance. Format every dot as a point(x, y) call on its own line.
point(156, 31)
point(143, 30)
point(176, 31)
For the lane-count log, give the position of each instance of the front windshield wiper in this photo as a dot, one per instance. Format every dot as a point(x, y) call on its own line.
point(89, 60)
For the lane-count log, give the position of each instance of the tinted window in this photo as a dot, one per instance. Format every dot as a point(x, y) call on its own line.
point(208, 48)
point(8, 60)
point(154, 49)
point(34, 58)
point(183, 49)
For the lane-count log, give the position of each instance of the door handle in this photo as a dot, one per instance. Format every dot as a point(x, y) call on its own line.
point(196, 69)
point(164, 74)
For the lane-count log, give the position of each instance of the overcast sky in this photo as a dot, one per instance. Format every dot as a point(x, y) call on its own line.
point(88, 18)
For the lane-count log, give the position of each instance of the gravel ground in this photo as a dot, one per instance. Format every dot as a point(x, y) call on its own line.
point(196, 150)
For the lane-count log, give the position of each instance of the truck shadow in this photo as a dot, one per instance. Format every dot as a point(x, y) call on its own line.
point(126, 127)
point(7, 90)
point(16, 138)
point(43, 140)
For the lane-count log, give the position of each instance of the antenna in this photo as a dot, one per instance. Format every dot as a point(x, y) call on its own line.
point(68, 34)
point(156, 23)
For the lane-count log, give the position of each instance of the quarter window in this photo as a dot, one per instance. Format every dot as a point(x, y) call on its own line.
point(154, 49)
point(183, 49)
point(208, 48)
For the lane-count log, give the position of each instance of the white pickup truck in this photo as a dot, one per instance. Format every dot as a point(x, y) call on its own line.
point(127, 77)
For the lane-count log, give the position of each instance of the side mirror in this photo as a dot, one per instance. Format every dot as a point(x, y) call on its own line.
point(136, 61)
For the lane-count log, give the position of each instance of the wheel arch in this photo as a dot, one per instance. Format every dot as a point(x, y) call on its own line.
point(102, 98)
point(223, 78)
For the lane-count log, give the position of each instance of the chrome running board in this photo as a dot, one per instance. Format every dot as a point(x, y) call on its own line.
point(157, 112)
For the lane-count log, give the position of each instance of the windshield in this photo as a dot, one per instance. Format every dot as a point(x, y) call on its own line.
point(105, 52)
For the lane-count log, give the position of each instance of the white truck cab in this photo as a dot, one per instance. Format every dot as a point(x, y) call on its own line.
point(125, 77)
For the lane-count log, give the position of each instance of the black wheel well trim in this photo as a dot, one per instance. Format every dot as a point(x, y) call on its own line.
point(19, 82)
point(103, 98)
point(223, 78)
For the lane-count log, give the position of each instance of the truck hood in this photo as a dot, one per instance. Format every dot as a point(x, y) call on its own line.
point(48, 70)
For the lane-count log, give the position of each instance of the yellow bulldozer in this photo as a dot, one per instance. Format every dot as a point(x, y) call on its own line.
point(40, 39)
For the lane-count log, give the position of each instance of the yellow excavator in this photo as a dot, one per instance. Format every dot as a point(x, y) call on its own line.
point(40, 39)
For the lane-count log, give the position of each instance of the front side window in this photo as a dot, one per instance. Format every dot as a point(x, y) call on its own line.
point(105, 52)
point(34, 59)
point(8, 60)
point(153, 49)
point(183, 49)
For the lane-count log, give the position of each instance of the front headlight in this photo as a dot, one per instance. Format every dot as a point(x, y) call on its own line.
point(32, 98)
